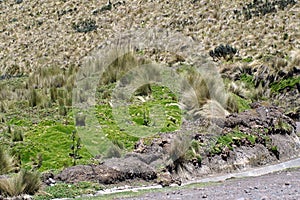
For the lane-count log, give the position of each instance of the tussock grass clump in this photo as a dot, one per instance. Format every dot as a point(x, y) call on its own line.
point(183, 150)
point(24, 182)
point(122, 63)
point(17, 135)
point(177, 152)
point(232, 104)
point(6, 162)
point(238, 89)
point(205, 96)
point(295, 58)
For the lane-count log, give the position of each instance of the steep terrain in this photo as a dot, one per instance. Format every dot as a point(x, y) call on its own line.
point(236, 65)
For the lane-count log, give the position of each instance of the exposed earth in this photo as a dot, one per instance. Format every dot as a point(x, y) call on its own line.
point(279, 185)
point(144, 161)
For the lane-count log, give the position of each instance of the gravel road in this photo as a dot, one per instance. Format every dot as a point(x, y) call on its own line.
point(279, 185)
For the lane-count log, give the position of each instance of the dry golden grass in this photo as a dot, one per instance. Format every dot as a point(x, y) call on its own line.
point(39, 34)
point(204, 95)
point(24, 182)
point(6, 162)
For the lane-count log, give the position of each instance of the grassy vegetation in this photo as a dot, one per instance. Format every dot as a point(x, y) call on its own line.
point(291, 82)
point(36, 116)
point(248, 60)
point(24, 182)
point(74, 190)
point(243, 104)
point(63, 190)
point(248, 80)
point(6, 162)
point(140, 115)
point(231, 139)
point(44, 121)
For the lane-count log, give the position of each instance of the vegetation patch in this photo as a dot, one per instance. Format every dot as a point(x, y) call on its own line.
point(24, 182)
point(243, 104)
point(248, 80)
point(225, 51)
point(48, 147)
point(111, 129)
point(260, 8)
point(229, 140)
point(85, 26)
point(248, 60)
point(160, 95)
point(139, 111)
point(63, 190)
point(291, 82)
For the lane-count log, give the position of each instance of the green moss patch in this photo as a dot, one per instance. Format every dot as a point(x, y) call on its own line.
point(48, 146)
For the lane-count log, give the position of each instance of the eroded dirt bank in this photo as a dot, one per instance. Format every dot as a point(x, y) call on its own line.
point(273, 139)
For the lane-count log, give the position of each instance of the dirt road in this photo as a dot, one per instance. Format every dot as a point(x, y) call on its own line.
point(280, 185)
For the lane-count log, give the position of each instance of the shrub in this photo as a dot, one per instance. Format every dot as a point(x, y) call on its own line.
point(75, 147)
point(24, 182)
point(6, 162)
point(227, 52)
point(85, 26)
point(261, 8)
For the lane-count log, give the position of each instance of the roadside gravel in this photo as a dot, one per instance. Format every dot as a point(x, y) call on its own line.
point(278, 185)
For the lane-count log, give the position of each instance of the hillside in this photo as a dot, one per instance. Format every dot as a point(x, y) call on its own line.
point(41, 33)
point(176, 89)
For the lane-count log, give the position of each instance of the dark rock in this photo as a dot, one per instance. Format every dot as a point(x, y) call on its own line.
point(262, 118)
point(100, 173)
point(131, 167)
point(287, 145)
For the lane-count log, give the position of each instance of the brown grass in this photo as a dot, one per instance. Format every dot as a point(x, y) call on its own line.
point(42, 35)
point(24, 182)
point(6, 162)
